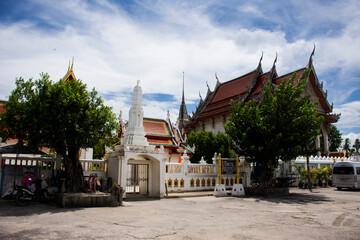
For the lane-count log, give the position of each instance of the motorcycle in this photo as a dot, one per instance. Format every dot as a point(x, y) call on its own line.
point(31, 192)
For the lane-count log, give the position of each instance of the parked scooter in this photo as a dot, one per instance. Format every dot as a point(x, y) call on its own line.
point(31, 190)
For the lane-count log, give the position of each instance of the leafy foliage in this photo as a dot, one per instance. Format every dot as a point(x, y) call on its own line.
point(282, 125)
point(301, 171)
point(109, 141)
point(347, 145)
point(206, 144)
point(62, 115)
point(324, 173)
point(334, 138)
point(356, 146)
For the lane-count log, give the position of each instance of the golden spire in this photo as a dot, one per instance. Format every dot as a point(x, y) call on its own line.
point(72, 64)
point(69, 76)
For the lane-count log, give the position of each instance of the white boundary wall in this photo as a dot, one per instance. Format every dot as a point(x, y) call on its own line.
point(45, 167)
point(284, 169)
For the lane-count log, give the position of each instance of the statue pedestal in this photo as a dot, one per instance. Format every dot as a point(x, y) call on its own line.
point(220, 190)
point(238, 190)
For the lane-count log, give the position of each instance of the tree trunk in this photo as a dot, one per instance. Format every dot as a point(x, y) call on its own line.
point(308, 171)
point(73, 170)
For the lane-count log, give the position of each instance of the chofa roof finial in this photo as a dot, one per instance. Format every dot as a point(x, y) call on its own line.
point(259, 65)
point(311, 55)
point(275, 59)
point(72, 64)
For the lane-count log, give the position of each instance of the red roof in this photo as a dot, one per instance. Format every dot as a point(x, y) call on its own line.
point(259, 83)
point(232, 88)
point(288, 76)
point(249, 86)
point(2, 109)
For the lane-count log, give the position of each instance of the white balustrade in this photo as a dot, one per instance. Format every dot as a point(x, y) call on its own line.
point(94, 166)
point(174, 168)
point(89, 165)
point(45, 163)
point(188, 176)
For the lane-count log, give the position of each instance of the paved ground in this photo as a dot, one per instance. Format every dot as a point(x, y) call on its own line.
point(324, 214)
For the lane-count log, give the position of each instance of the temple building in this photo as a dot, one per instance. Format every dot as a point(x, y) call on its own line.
point(213, 112)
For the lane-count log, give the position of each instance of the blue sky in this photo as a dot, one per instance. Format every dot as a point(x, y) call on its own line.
point(115, 43)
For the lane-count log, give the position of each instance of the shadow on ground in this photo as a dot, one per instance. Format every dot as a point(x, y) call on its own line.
point(9, 208)
point(295, 198)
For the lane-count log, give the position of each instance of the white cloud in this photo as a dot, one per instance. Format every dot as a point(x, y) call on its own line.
point(352, 137)
point(350, 115)
point(113, 49)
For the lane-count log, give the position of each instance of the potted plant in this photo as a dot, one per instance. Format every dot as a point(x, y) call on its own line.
point(321, 176)
point(328, 176)
point(302, 175)
point(314, 176)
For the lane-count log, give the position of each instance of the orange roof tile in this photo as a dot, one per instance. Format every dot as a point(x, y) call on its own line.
point(160, 141)
point(156, 127)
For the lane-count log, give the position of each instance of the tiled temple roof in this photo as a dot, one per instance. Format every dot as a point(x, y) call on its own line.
point(250, 86)
point(160, 132)
point(157, 128)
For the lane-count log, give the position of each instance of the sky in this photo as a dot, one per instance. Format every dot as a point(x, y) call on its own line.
point(115, 43)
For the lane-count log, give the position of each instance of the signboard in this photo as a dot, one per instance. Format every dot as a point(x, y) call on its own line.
point(228, 166)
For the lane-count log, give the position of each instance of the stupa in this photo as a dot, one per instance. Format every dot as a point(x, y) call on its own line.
point(135, 134)
point(135, 165)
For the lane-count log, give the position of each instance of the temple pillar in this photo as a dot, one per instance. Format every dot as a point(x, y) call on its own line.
point(326, 142)
point(318, 145)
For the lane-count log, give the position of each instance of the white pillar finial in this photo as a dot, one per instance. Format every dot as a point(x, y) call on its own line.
point(135, 134)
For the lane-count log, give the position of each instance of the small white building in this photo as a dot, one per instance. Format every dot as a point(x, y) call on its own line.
point(138, 163)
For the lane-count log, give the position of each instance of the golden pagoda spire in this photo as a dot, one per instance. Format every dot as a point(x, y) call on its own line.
point(72, 65)
point(69, 76)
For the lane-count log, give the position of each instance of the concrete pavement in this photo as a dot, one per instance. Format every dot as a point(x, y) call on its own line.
point(324, 214)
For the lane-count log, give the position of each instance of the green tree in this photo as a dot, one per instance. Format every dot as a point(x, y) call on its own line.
point(347, 145)
point(334, 138)
point(99, 148)
point(62, 115)
point(356, 146)
point(281, 125)
point(206, 144)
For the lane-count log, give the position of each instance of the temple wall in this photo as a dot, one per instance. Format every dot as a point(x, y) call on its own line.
point(209, 125)
point(214, 125)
